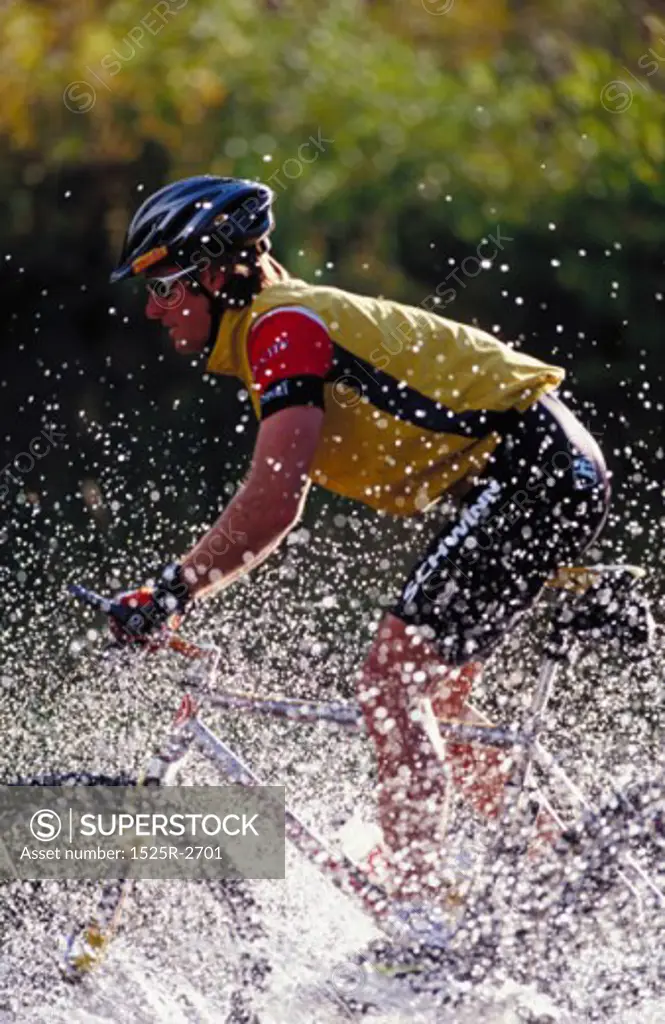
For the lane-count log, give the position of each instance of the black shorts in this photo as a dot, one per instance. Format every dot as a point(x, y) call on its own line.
point(541, 501)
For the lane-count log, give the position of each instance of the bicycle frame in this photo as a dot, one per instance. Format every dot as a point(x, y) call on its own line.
point(85, 948)
point(190, 731)
point(348, 717)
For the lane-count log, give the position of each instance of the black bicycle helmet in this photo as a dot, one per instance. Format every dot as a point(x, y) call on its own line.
point(225, 214)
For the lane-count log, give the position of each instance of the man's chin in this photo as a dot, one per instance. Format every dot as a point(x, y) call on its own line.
point(188, 346)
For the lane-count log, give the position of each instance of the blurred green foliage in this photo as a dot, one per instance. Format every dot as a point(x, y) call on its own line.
point(435, 124)
point(498, 100)
point(397, 134)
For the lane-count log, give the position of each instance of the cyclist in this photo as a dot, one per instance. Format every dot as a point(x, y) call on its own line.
point(393, 406)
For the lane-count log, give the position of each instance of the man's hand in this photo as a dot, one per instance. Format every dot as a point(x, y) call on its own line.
point(144, 616)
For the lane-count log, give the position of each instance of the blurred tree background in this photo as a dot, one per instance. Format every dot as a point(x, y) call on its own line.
point(397, 135)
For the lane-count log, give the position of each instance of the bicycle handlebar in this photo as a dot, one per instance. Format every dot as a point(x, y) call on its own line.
point(90, 598)
point(104, 604)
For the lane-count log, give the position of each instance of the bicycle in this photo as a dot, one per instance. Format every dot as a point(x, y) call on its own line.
point(599, 604)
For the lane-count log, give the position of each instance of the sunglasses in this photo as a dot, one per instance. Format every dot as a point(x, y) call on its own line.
point(168, 285)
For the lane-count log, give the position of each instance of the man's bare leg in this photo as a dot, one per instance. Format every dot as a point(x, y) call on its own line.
point(399, 671)
point(480, 772)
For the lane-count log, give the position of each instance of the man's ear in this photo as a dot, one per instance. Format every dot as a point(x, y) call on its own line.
point(213, 279)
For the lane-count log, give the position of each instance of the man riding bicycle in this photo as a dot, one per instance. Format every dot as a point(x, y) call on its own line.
point(393, 406)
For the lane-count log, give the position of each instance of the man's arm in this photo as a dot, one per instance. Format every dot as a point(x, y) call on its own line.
point(267, 506)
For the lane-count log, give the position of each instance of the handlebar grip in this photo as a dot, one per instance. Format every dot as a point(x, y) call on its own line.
point(104, 604)
point(92, 599)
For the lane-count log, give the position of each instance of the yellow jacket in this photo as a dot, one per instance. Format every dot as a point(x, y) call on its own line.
point(413, 402)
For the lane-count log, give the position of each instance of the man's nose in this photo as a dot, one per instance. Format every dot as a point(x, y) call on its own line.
point(152, 308)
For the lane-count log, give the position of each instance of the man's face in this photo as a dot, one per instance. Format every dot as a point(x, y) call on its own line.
point(184, 311)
